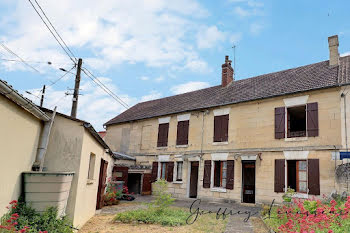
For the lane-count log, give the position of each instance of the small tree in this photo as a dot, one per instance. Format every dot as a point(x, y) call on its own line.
point(163, 199)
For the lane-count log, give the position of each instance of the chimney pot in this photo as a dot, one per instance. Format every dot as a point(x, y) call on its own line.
point(333, 45)
point(227, 72)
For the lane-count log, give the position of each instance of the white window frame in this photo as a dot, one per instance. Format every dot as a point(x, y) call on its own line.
point(296, 155)
point(216, 157)
point(175, 181)
point(290, 103)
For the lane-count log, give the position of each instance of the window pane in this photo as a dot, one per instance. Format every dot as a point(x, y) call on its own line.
point(179, 171)
point(224, 169)
point(163, 170)
point(302, 165)
point(302, 175)
point(302, 186)
point(217, 173)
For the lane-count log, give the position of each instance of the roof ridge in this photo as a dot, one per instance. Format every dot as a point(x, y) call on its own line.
point(303, 78)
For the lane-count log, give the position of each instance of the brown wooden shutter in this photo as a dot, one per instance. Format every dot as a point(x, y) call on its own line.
point(279, 175)
point(312, 119)
point(179, 133)
point(313, 176)
point(182, 133)
point(280, 122)
point(217, 128)
point(224, 128)
point(206, 175)
point(163, 130)
point(230, 174)
point(154, 171)
point(186, 125)
point(170, 171)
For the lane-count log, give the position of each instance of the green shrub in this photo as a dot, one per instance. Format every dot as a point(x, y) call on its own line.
point(167, 217)
point(27, 218)
point(163, 199)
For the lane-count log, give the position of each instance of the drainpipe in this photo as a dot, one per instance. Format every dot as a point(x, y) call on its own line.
point(346, 130)
point(204, 113)
point(43, 143)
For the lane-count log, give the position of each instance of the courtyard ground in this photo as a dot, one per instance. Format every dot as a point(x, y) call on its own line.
point(103, 222)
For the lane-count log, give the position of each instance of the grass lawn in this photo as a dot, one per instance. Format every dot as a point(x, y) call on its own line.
point(106, 223)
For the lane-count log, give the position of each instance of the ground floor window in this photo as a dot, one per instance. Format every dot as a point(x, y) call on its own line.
point(220, 172)
point(297, 175)
point(179, 171)
point(164, 170)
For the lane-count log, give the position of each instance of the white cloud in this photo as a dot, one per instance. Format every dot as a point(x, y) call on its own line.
point(256, 28)
point(144, 78)
point(151, 96)
point(159, 79)
point(155, 33)
point(94, 105)
point(188, 87)
point(208, 37)
point(345, 54)
point(241, 12)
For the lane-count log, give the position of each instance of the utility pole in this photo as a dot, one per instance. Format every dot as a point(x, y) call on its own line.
point(42, 96)
point(76, 90)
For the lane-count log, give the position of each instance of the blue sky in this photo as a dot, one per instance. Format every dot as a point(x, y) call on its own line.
point(150, 49)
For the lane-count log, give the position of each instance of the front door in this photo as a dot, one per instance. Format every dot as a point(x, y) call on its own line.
point(101, 184)
point(248, 181)
point(146, 184)
point(194, 179)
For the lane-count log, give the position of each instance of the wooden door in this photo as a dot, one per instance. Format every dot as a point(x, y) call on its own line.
point(101, 184)
point(248, 175)
point(121, 174)
point(194, 179)
point(146, 184)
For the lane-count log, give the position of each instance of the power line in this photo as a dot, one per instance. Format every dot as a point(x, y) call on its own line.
point(23, 61)
point(39, 62)
point(65, 95)
point(107, 88)
point(54, 82)
point(55, 30)
point(74, 61)
point(104, 88)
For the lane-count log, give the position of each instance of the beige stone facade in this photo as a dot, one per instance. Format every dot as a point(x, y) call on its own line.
point(251, 132)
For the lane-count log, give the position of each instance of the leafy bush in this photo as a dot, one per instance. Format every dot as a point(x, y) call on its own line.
point(23, 218)
point(310, 216)
point(163, 199)
point(112, 195)
point(287, 197)
point(168, 217)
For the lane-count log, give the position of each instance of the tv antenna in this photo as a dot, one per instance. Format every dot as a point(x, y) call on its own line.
point(234, 58)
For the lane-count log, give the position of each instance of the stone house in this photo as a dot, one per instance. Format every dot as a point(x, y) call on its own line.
point(245, 140)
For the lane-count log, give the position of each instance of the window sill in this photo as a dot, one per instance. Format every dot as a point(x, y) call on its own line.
point(217, 189)
point(219, 143)
point(297, 139)
point(301, 195)
point(181, 146)
point(162, 148)
point(177, 182)
point(90, 181)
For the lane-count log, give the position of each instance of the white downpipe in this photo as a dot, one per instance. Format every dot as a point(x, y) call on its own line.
point(43, 143)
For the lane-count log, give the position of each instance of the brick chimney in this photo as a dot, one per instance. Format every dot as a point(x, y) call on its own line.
point(333, 45)
point(227, 72)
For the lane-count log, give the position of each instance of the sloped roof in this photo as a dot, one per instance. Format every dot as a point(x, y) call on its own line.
point(25, 103)
point(121, 156)
point(305, 78)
